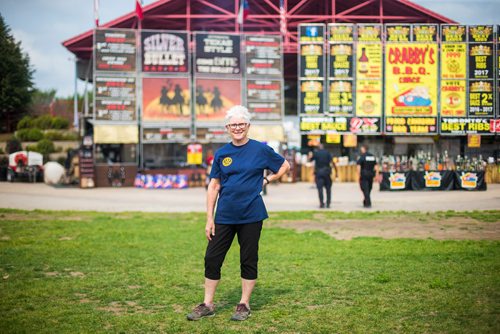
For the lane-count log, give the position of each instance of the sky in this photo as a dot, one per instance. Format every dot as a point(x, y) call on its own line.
point(42, 25)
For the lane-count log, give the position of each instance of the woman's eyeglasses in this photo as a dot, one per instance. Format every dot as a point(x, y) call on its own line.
point(235, 126)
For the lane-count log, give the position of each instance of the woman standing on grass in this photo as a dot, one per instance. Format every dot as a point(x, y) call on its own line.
point(236, 181)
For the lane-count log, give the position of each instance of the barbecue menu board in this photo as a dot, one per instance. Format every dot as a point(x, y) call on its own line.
point(115, 110)
point(115, 87)
point(264, 99)
point(164, 51)
point(115, 50)
point(115, 98)
point(263, 55)
point(217, 54)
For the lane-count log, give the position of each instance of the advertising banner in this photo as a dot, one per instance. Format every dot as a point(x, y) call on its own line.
point(453, 61)
point(340, 61)
point(114, 98)
point(166, 99)
point(411, 125)
point(340, 32)
point(322, 125)
point(216, 134)
point(115, 110)
point(263, 56)
point(217, 54)
point(312, 33)
point(398, 33)
point(453, 33)
point(368, 98)
point(481, 34)
point(264, 99)
point(115, 87)
point(164, 51)
point(214, 97)
point(369, 32)
point(340, 99)
point(165, 134)
point(311, 97)
point(369, 61)
point(311, 61)
point(115, 50)
point(364, 125)
point(481, 95)
point(481, 100)
point(425, 33)
point(411, 79)
point(453, 98)
point(481, 61)
point(462, 125)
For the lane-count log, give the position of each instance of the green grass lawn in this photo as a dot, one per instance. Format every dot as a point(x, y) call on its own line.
point(142, 272)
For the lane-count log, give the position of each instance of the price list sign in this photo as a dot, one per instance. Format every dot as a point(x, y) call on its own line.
point(264, 79)
point(115, 98)
point(115, 50)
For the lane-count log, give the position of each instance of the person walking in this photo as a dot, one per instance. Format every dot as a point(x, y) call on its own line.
point(323, 174)
point(236, 181)
point(367, 169)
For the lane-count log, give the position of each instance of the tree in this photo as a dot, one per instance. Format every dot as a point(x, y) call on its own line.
point(16, 80)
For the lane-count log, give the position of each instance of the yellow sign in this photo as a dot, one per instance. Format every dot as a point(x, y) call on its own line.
point(474, 141)
point(411, 79)
point(194, 154)
point(332, 138)
point(369, 98)
point(453, 98)
point(350, 140)
point(454, 61)
point(116, 134)
point(369, 61)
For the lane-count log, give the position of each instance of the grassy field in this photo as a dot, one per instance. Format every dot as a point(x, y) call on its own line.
point(86, 272)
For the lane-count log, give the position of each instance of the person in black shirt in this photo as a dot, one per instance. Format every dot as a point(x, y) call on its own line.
point(367, 169)
point(322, 171)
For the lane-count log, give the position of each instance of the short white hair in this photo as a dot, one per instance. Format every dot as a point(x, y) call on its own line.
point(238, 111)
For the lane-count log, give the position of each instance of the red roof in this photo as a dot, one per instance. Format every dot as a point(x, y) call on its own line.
point(221, 15)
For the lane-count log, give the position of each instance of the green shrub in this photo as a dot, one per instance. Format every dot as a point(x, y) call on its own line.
point(45, 147)
point(29, 134)
point(71, 136)
point(61, 160)
point(43, 122)
point(59, 123)
point(32, 148)
point(54, 135)
point(25, 123)
point(13, 145)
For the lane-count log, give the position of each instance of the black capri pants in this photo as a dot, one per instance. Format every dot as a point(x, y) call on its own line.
point(248, 238)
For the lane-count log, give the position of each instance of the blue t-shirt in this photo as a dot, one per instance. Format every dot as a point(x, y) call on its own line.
point(240, 170)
